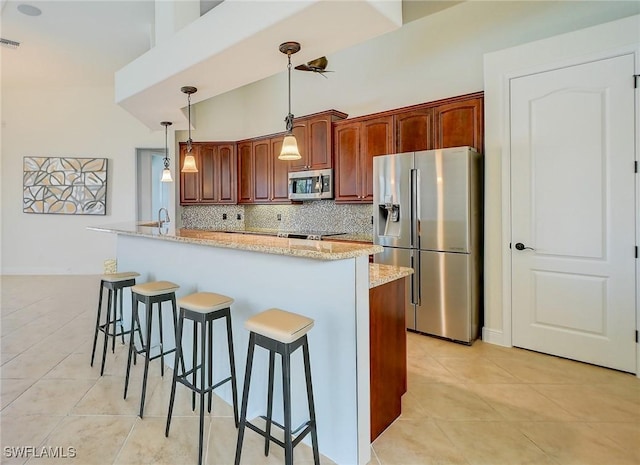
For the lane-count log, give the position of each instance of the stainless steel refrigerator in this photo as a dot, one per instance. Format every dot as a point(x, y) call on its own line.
point(427, 214)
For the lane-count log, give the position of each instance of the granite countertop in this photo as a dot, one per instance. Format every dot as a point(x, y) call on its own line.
point(320, 250)
point(380, 274)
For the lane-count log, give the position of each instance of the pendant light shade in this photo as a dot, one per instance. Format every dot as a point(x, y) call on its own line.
point(189, 164)
point(166, 172)
point(289, 144)
point(289, 148)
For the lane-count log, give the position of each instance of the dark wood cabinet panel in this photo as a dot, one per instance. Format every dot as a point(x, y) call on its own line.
point(261, 165)
point(388, 353)
point(279, 173)
point(227, 178)
point(376, 139)
point(460, 123)
point(207, 171)
point(356, 144)
point(215, 182)
point(314, 136)
point(347, 159)
point(245, 172)
point(414, 130)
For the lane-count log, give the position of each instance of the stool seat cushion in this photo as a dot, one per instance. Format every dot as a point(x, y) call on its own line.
point(205, 302)
point(115, 277)
point(280, 325)
point(154, 288)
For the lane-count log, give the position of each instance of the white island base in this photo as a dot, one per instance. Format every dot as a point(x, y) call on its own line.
point(333, 292)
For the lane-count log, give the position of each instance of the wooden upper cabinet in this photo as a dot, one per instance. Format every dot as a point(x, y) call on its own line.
point(460, 123)
point(215, 182)
point(347, 160)
point(263, 177)
point(414, 130)
point(356, 143)
point(228, 176)
point(245, 172)
point(205, 161)
point(314, 136)
point(279, 173)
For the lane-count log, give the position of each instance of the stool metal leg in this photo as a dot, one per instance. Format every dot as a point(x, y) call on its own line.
point(161, 340)
point(203, 345)
point(209, 324)
point(232, 365)
point(245, 398)
point(286, 393)
point(195, 363)
point(113, 312)
point(312, 409)
point(121, 320)
point(106, 332)
point(267, 438)
point(95, 335)
point(175, 370)
point(134, 313)
point(147, 350)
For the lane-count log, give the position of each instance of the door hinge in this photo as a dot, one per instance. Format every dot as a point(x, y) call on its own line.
point(636, 251)
point(635, 166)
point(636, 335)
point(635, 80)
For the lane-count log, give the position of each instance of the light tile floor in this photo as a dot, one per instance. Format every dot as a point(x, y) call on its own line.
point(478, 405)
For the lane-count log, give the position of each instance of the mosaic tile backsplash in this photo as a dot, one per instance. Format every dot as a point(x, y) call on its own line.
point(320, 215)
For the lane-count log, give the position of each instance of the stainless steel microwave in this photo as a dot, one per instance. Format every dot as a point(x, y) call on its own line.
point(311, 185)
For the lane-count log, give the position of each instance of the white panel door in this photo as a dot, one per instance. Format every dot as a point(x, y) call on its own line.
point(573, 208)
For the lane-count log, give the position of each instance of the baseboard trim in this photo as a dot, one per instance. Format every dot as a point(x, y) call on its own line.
point(494, 336)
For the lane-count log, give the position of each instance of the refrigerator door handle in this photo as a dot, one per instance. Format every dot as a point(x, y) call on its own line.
point(412, 280)
point(417, 275)
point(413, 207)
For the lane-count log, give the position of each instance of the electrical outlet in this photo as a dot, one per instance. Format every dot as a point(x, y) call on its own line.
point(279, 217)
point(224, 216)
point(238, 216)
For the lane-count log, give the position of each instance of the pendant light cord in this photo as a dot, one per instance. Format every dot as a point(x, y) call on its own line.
point(189, 109)
point(289, 119)
point(166, 148)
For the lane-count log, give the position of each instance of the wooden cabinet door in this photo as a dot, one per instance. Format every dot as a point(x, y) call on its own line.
point(226, 174)
point(189, 182)
point(319, 142)
point(460, 123)
point(301, 134)
point(347, 170)
point(414, 130)
point(245, 172)
point(376, 138)
point(261, 167)
point(279, 173)
point(207, 169)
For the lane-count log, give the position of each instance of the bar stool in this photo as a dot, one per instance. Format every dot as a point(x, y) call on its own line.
point(114, 283)
point(280, 332)
point(203, 308)
point(150, 293)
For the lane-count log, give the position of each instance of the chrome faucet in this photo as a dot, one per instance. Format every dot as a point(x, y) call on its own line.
point(161, 222)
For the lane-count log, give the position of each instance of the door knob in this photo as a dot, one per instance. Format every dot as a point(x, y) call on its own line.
point(521, 246)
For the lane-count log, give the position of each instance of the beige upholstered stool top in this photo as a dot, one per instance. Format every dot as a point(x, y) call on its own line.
point(280, 325)
point(115, 277)
point(205, 302)
point(154, 288)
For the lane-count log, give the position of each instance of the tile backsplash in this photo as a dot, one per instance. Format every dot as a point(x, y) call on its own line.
point(320, 215)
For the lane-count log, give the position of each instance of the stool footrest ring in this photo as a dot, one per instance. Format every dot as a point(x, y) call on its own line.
point(306, 427)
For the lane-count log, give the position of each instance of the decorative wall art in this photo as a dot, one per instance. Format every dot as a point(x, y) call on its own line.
point(66, 186)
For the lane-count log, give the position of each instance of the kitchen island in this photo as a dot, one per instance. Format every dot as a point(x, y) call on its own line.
point(324, 280)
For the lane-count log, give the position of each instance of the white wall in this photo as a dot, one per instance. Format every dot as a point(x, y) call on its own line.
point(71, 122)
point(431, 58)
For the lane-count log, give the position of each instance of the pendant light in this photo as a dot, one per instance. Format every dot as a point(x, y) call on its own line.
point(289, 144)
point(189, 165)
point(166, 173)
